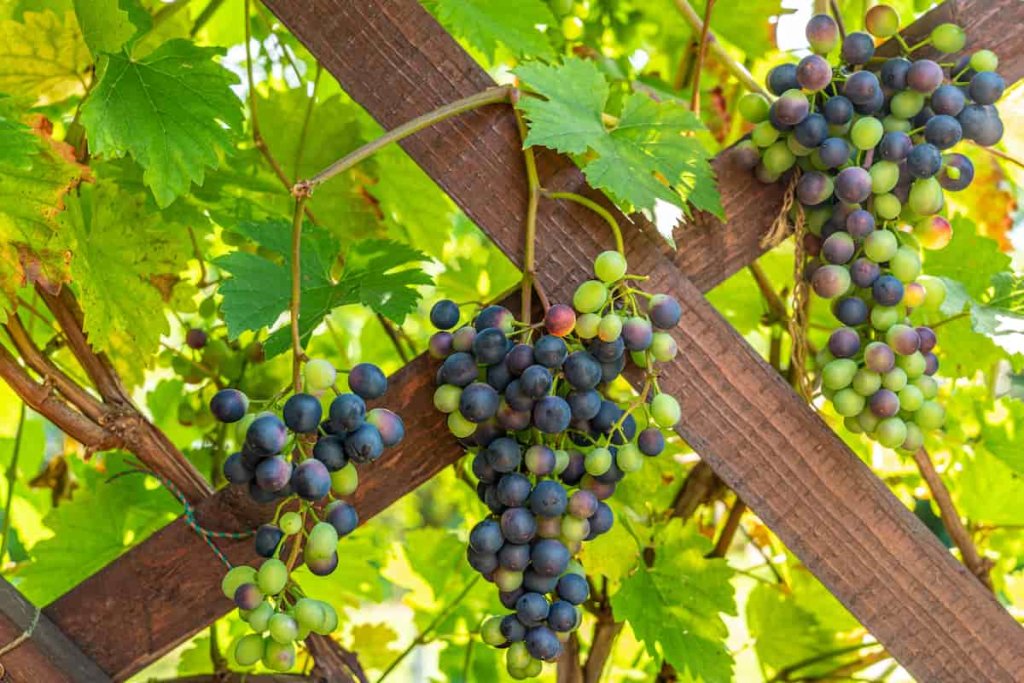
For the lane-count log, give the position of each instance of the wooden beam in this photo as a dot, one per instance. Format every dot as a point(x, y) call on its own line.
point(167, 588)
point(47, 654)
point(758, 435)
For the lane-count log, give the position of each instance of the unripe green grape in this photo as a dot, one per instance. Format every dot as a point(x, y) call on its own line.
point(839, 130)
point(517, 657)
point(984, 60)
point(490, 632)
point(906, 104)
point(880, 246)
point(665, 410)
point(884, 317)
point(948, 38)
point(823, 357)
point(926, 196)
point(764, 134)
point(868, 421)
point(586, 325)
point(290, 523)
point(561, 461)
point(778, 158)
point(796, 148)
point(838, 374)
point(283, 628)
point(754, 107)
point(322, 541)
point(609, 266)
point(853, 425)
point(663, 347)
point(866, 133)
point(278, 656)
point(913, 365)
point(891, 432)
point(309, 613)
point(330, 623)
point(866, 382)
point(886, 206)
point(629, 458)
point(928, 387)
point(906, 264)
point(249, 649)
point(446, 398)
point(895, 380)
point(259, 618)
point(884, 176)
point(610, 328)
point(460, 426)
point(574, 529)
point(590, 296)
point(894, 123)
point(320, 374)
point(930, 415)
point(639, 358)
point(272, 576)
point(934, 292)
point(915, 438)
point(816, 218)
point(911, 398)
point(597, 461)
point(345, 481)
point(507, 580)
point(533, 669)
point(848, 402)
point(235, 577)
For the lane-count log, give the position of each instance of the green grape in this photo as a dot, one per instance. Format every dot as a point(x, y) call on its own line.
point(887, 206)
point(823, 357)
point(848, 402)
point(665, 411)
point(460, 426)
point(507, 580)
point(629, 458)
point(816, 218)
point(753, 107)
point(891, 432)
point(840, 130)
point(913, 364)
point(290, 523)
point(345, 481)
point(894, 123)
point(853, 425)
point(533, 669)
point(866, 132)
point(278, 656)
point(930, 415)
point(926, 196)
point(259, 618)
point(517, 656)
point(663, 347)
point(586, 325)
point(906, 264)
point(934, 292)
point(838, 374)
point(575, 529)
point(639, 358)
point(446, 398)
point(490, 632)
point(610, 328)
point(764, 134)
point(915, 438)
point(610, 266)
point(778, 158)
point(309, 613)
point(272, 576)
point(984, 60)
point(322, 541)
point(561, 7)
point(906, 104)
point(884, 317)
point(895, 380)
point(561, 461)
point(597, 461)
point(911, 398)
point(249, 649)
point(796, 148)
point(884, 175)
point(572, 28)
point(235, 577)
point(283, 628)
point(320, 374)
point(880, 246)
point(868, 421)
point(866, 382)
point(928, 386)
point(590, 296)
point(948, 38)
point(330, 622)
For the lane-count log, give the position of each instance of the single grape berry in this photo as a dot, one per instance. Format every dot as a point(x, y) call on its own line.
point(444, 315)
point(195, 338)
point(302, 413)
point(229, 405)
point(368, 381)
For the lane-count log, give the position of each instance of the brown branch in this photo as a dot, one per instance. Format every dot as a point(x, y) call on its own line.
point(700, 486)
point(732, 524)
point(334, 664)
point(569, 668)
point(393, 335)
point(605, 631)
point(776, 306)
point(702, 49)
point(978, 565)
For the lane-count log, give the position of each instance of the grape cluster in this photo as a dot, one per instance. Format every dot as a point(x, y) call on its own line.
point(872, 139)
point(548, 445)
point(320, 468)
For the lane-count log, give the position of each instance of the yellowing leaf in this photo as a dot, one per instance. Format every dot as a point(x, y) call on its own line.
point(43, 57)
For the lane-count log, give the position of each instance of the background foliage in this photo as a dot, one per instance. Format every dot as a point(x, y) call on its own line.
point(145, 152)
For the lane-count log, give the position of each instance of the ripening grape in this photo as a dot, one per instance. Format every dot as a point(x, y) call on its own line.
point(858, 48)
point(924, 76)
point(822, 33)
point(590, 296)
point(882, 21)
point(948, 38)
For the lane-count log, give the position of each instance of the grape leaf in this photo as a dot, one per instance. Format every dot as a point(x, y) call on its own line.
point(486, 23)
point(107, 25)
point(784, 632)
point(17, 144)
point(678, 603)
point(649, 154)
point(1003, 433)
point(173, 111)
point(969, 258)
point(43, 57)
point(377, 274)
point(374, 643)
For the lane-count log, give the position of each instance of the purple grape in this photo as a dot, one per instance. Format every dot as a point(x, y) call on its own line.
point(834, 152)
point(330, 450)
point(887, 290)
point(550, 351)
point(389, 424)
point(943, 131)
point(981, 124)
point(844, 342)
point(860, 224)
point(931, 364)
point(664, 311)
point(459, 369)
point(744, 154)
point(542, 643)
point(838, 110)
point(926, 338)
point(838, 248)
point(513, 489)
point(490, 346)
point(924, 161)
point(872, 105)
point(789, 110)
point(551, 415)
point(486, 537)
point(236, 471)
point(549, 557)
point(512, 629)
point(484, 563)
point(518, 525)
point(582, 370)
point(853, 184)
point(495, 316)
point(813, 73)
point(479, 402)
point(822, 32)
point(851, 311)
point(440, 345)
point(948, 99)
point(548, 499)
point(514, 557)
point(858, 48)
point(651, 441)
point(830, 281)
point(573, 588)
point(895, 146)
point(986, 87)
point(311, 480)
point(267, 538)
point(582, 504)
point(462, 339)
point(248, 596)
point(813, 188)
point(519, 358)
point(272, 474)
point(482, 470)
point(364, 445)
point(903, 339)
point(894, 73)
point(509, 598)
point(563, 617)
point(884, 403)
point(322, 566)
point(504, 454)
point(924, 76)
point(302, 413)
point(343, 517)
point(367, 380)
point(600, 523)
point(964, 170)
point(575, 470)
point(532, 608)
point(782, 78)
point(861, 87)
point(878, 357)
point(444, 315)
point(229, 405)
point(637, 334)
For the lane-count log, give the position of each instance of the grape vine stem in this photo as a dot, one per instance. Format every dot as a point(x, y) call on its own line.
point(702, 49)
point(596, 208)
point(533, 187)
point(297, 354)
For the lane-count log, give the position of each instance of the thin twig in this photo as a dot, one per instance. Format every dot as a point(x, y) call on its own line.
point(596, 208)
point(702, 48)
point(785, 673)
point(732, 524)
point(776, 306)
point(295, 302)
point(978, 565)
point(304, 130)
point(734, 67)
point(838, 16)
point(530, 238)
point(389, 329)
point(204, 16)
point(1002, 155)
point(12, 478)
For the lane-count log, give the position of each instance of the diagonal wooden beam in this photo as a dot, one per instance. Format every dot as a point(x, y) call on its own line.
point(167, 588)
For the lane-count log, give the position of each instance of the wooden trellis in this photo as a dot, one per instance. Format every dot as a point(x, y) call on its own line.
point(763, 441)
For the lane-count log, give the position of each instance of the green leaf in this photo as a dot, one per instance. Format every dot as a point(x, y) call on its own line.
point(784, 632)
point(375, 643)
point(17, 143)
point(173, 111)
point(969, 258)
point(107, 25)
point(486, 23)
point(1003, 433)
point(649, 154)
point(43, 57)
point(678, 604)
